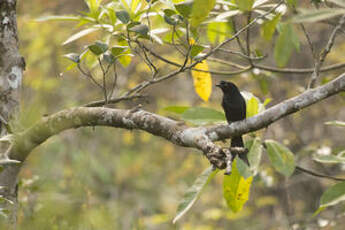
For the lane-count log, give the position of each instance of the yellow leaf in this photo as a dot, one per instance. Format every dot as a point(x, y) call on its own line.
point(202, 81)
point(236, 189)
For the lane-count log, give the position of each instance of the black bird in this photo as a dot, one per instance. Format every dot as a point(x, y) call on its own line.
point(234, 106)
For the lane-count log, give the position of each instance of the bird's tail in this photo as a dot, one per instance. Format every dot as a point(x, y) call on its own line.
point(238, 142)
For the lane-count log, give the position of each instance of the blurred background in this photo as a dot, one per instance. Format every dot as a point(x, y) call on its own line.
point(104, 178)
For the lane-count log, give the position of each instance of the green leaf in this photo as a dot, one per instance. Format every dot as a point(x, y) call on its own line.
point(253, 104)
point(176, 109)
point(80, 34)
point(200, 11)
point(196, 49)
point(332, 196)
point(141, 29)
point(109, 58)
point(201, 115)
point(328, 159)
point(281, 157)
point(111, 15)
point(98, 48)
point(218, 31)
point(317, 15)
point(125, 59)
point(74, 57)
point(93, 4)
point(236, 189)
point(284, 45)
point(267, 101)
point(245, 5)
point(295, 40)
point(255, 152)
point(193, 193)
point(268, 28)
point(337, 123)
point(252, 107)
point(58, 18)
point(243, 168)
point(171, 17)
point(117, 50)
point(184, 8)
point(123, 16)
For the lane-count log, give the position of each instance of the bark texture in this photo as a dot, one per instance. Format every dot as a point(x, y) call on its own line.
point(11, 69)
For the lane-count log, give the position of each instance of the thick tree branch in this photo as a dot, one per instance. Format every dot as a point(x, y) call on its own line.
point(201, 137)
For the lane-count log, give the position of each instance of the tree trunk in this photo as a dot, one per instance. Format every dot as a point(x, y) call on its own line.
point(11, 69)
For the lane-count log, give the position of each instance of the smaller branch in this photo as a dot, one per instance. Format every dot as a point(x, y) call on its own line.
point(104, 81)
point(89, 75)
point(325, 52)
point(248, 37)
point(238, 39)
point(112, 100)
point(298, 71)
point(307, 171)
point(306, 34)
point(232, 64)
point(242, 55)
point(114, 81)
point(189, 47)
point(153, 68)
point(173, 40)
point(311, 46)
point(244, 68)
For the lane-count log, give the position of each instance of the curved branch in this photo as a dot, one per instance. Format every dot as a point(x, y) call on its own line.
point(201, 137)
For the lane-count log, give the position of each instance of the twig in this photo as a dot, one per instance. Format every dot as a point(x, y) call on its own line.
point(232, 64)
point(104, 81)
point(173, 41)
point(242, 55)
point(311, 46)
point(299, 71)
point(306, 34)
point(248, 37)
point(323, 55)
point(153, 68)
point(89, 75)
point(114, 82)
point(189, 47)
point(307, 171)
point(238, 39)
point(243, 68)
point(112, 100)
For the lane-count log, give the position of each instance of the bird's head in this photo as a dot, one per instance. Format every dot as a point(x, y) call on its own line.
point(227, 86)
